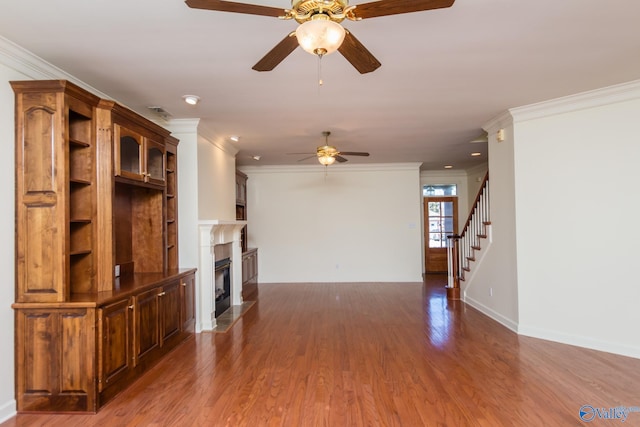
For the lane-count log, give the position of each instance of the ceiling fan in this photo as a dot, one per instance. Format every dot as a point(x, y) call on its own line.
point(320, 32)
point(328, 154)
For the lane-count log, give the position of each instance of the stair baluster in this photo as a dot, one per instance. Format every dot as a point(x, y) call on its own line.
point(461, 248)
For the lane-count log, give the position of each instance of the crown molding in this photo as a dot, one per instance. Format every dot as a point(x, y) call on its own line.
point(335, 168)
point(503, 120)
point(444, 174)
point(580, 101)
point(212, 138)
point(183, 125)
point(36, 68)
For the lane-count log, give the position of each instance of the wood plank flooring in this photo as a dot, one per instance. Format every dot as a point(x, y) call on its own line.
point(375, 354)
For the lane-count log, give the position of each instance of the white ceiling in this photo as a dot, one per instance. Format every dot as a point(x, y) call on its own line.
point(444, 72)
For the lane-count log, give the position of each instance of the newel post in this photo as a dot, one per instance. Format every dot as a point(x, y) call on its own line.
point(453, 279)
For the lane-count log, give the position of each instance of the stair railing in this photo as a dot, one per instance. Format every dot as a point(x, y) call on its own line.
point(461, 248)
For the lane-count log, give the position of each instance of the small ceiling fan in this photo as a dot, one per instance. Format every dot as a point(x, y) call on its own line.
point(328, 154)
point(320, 32)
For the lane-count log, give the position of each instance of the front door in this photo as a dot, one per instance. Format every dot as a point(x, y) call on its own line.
point(441, 219)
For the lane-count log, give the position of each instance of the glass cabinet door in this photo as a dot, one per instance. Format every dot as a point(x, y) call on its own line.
point(155, 167)
point(128, 153)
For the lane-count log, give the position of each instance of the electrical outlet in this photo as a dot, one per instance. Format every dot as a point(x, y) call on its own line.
point(118, 270)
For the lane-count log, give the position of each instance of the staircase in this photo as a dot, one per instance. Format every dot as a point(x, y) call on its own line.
point(462, 248)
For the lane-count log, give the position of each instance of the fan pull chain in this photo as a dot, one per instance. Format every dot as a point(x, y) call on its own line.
point(320, 82)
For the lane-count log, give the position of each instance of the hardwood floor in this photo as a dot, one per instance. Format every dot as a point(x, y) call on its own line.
point(374, 354)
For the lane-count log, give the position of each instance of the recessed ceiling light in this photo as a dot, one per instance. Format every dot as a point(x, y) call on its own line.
point(234, 138)
point(256, 158)
point(476, 154)
point(448, 167)
point(191, 99)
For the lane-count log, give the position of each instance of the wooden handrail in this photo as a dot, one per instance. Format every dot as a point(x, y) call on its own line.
point(461, 246)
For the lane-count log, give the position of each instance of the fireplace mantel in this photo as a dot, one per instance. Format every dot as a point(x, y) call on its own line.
point(213, 233)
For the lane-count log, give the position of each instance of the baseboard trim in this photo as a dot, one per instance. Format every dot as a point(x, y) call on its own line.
point(504, 321)
point(8, 410)
point(579, 341)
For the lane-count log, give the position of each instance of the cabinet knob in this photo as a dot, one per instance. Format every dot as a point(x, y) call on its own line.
point(131, 307)
point(183, 284)
point(161, 294)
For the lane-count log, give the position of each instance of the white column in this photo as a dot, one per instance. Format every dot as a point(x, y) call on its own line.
point(236, 267)
point(207, 317)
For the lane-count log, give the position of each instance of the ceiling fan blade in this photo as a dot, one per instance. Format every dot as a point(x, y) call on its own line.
point(229, 6)
point(354, 153)
point(396, 7)
point(340, 159)
point(357, 54)
point(307, 158)
point(277, 54)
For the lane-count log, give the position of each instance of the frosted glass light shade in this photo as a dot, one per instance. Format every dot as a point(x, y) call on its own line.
point(326, 160)
point(320, 36)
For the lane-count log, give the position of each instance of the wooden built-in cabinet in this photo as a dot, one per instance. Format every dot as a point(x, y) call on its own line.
point(241, 206)
point(171, 204)
point(96, 193)
point(250, 274)
point(249, 255)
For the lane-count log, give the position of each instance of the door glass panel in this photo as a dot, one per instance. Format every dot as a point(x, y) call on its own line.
point(440, 223)
point(439, 190)
point(434, 209)
point(155, 163)
point(129, 154)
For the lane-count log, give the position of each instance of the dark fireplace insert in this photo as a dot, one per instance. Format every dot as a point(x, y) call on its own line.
point(222, 285)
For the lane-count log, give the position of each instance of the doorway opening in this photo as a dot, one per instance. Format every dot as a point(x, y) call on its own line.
point(440, 220)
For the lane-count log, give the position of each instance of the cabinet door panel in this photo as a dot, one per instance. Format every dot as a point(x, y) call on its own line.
point(55, 356)
point(77, 332)
point(170, 313)
point(147, 333)
point(38, 350)
point(188, 310)
point(116, 342)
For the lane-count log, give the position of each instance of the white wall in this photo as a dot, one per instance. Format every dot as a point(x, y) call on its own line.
point(216, 179)
point(355, 224)
point(492, 285)
point(475, 176)
point(576, 174)
point(7, 242)
point(187, 132)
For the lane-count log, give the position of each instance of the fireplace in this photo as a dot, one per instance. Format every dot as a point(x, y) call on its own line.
point(219, 241)
point(222, 279)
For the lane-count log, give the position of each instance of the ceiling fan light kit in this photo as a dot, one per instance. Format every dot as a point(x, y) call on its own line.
point(326, 160)
point(320, 36)
point(320, 32)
